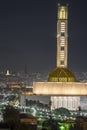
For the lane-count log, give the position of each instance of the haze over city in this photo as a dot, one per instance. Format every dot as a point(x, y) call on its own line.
point(28, 35)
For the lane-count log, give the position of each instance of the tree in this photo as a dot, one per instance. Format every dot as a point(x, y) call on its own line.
point(62, 111)
point(11, 116)
point(50, 124)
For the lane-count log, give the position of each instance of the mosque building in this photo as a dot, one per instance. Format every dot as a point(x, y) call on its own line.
point(62, 85)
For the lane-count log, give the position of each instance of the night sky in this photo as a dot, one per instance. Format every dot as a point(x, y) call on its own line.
point(28, 35)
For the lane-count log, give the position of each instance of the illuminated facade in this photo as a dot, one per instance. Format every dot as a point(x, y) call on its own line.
point(62, 36)
point(62, 85)
point(62, 73)
point(63, 94)
point(68, 102)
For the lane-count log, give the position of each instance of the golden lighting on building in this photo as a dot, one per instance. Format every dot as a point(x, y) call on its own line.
point(63, 12)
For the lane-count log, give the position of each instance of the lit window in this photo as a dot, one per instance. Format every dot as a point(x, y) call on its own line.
point(62, 23)
point(63, 79)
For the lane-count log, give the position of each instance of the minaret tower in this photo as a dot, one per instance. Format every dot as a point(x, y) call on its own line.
point(62, 73)
point(62, 36)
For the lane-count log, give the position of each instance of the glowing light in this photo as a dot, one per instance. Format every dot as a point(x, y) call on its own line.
point(62, 12)
point(62, 128)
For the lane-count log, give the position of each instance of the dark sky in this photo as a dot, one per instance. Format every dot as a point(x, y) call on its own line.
point(28, 34)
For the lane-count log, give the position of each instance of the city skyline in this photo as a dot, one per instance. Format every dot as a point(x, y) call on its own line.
point(28, 35)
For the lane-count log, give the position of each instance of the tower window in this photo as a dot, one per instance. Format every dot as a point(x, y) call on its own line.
point(62, 23)
point(62, 34)
point(62, 62)
point(62, 48)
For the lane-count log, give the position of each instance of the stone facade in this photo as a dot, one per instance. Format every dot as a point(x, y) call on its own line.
point(60, 88)
point(63, 94)
point(71, 103)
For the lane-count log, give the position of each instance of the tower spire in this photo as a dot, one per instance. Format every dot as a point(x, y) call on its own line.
point(62, 36)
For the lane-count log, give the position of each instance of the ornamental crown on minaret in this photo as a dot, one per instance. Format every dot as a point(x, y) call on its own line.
point(62, 12)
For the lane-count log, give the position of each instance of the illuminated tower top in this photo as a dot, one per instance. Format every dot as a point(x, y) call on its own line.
point(62, 36)
point(62, 12)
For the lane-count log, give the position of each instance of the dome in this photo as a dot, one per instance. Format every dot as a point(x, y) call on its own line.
point(61, 75)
